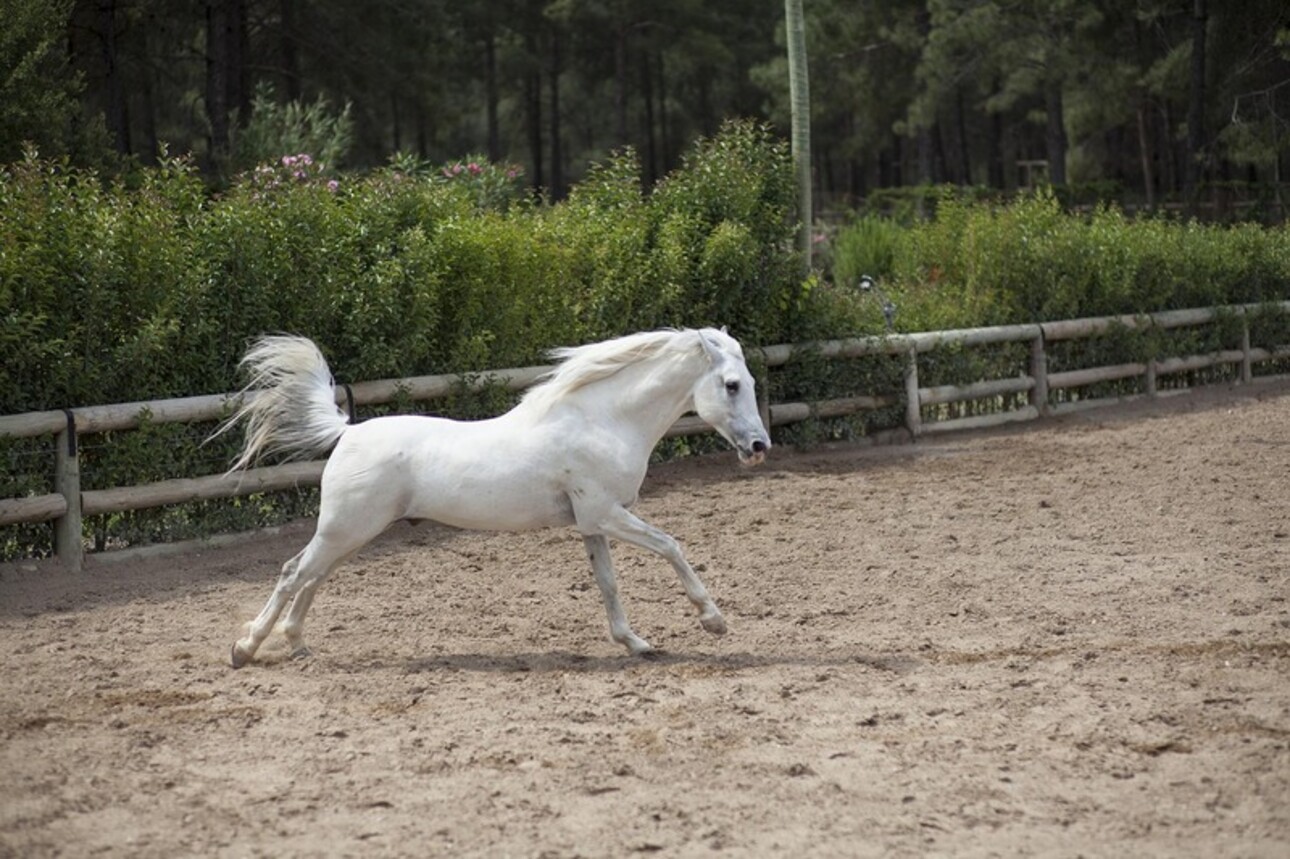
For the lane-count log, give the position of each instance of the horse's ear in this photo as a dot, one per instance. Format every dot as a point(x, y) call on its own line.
point(723, 330)
point(710, 348)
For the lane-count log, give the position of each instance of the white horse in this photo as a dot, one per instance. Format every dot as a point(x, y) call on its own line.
point(573, 452)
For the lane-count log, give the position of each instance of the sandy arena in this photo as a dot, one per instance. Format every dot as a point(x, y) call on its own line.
point(1066, 639)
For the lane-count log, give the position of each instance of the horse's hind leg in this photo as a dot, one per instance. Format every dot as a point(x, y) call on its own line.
point(619, 629)
point(293, 626)
point(300, 578)
point(288, 581)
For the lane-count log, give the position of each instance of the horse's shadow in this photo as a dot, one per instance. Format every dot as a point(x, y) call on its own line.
point(564, 661)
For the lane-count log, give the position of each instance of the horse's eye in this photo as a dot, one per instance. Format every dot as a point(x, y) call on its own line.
point(732, 387)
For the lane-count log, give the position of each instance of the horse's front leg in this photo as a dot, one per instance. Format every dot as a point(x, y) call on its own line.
point(603, 565)
point(622, 525)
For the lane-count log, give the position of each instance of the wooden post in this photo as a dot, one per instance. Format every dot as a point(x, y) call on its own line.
point(763, 398)
point(1150, 379)
point(68, 543)
point(913, 402)
point(1039, 372)
point(1247, 365)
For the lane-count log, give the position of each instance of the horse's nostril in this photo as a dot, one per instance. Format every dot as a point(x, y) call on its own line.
point(759, 446)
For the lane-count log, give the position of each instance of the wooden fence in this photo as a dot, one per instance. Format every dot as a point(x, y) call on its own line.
point(67, 505)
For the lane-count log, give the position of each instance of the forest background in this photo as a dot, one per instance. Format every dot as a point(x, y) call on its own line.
point(1144, 100)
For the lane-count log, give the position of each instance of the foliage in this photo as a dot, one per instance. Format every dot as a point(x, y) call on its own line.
point(903, 93)
point(122, 292)
point(118, 293)
point(1028, 259)
point(274, 131)
point(867, 246)
point(38, 92)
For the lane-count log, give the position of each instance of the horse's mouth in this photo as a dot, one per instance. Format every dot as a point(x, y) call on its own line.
point(749, 458)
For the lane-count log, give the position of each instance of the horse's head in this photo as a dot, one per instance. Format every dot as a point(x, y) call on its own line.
point(725, 397)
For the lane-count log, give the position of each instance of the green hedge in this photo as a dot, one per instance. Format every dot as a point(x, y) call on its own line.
point(988, 263)
point(133, 291)
point(983, 261)
point(150, 286)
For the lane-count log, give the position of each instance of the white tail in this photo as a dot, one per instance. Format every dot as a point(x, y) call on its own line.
point(289, 404)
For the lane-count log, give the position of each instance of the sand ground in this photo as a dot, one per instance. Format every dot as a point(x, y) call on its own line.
point(1065, 639)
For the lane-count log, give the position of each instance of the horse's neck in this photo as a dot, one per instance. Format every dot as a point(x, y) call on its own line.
point(649, 396)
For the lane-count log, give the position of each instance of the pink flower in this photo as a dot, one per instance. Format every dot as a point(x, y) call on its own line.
point(333, 185)
point(474, 168)
point(288, 160)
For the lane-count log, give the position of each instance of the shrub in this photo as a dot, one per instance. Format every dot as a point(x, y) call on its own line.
point(867, 246)
point(1029, 260)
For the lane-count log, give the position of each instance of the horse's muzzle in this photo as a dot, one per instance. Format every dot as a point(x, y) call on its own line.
point(755, 453)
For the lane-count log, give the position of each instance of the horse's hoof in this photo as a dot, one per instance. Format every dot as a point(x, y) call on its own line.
point(715, 624)
point(239, 657)
point(639, 647)
point(302, 652)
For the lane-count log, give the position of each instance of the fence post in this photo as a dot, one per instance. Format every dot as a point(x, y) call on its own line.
point(68, 543)
point(763, 392)
point(1247, 365)
point(1039, 372)
point(913, 404)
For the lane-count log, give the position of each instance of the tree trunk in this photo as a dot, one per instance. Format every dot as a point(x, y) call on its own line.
point(1196, 103)
point(800, 99)
point(557, 150)
point(925, 155)
point(1170, 179)
point(1144, 146)
point(620, 83)
point(996, 176)
point(647, 96)
point(1055, 136)
point(490, 97)
point(239, 81)
point(118, 122)
point(533, 113)
point(217, 107)
point(148, 104)
point(664, 126)
point(965, 153)
point(423, 132)
point(290, 50)
point(396, 127)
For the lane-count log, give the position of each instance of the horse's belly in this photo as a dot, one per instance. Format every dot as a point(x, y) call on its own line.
point(491, 496)
point(494, 511)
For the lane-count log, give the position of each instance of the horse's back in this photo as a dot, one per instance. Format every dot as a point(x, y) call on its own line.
point(487, 475)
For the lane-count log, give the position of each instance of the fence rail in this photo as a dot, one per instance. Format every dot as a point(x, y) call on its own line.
point(68, 505)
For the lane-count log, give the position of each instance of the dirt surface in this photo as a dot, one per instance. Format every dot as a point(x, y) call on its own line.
point(1065, 639)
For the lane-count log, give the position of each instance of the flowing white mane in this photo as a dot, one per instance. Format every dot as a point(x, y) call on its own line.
point(581, 365)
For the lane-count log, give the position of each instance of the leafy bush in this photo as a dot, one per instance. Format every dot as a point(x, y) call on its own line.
point(274, 131)
point(987, 263)
point(115, 292)
point(867, 246)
